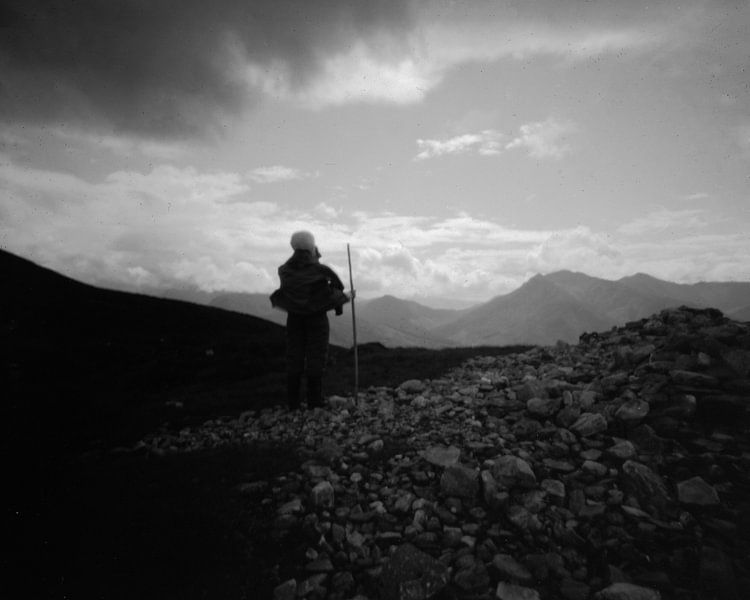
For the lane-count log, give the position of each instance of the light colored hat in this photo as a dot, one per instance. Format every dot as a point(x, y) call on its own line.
point(303, 240)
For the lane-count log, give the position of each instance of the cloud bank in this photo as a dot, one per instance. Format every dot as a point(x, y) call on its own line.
point(176, 227)
point(541, 139)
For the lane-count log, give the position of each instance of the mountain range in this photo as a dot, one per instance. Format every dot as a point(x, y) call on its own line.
point(545, 309)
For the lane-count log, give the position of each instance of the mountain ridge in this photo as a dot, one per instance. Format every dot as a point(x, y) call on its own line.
point(546, 308)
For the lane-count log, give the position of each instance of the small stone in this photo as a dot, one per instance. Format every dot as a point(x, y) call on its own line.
point(510, 591)
point(543, 407)
point(509, 568)
point(594, 468)
point(403, 504)
point(567, 416)
point(511, 471)
point(589, 424)
point(563, 466)
point(717, 575)
point(627, 591)
point(591, 454)
point(623, 450)
point(692, 379)
point(574, 590)
point(293, 506)
point(697, 491)
point(452, 536)
point(441, 456)
point(312, 584)
point(471, 578)
point(682, 407)
point(646, 485)
point(320, 565)
point(342, 582)
point(286, 590)
point(489, 485)
point(460, 481)
point(322, 495)
point(412, 386)
point(412, 574)
point(554, 488)
point(529, 389)
point(632, 410)
point(522, 518)
point(328, 451)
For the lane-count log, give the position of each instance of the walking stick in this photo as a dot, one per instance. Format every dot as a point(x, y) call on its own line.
point(354, 329)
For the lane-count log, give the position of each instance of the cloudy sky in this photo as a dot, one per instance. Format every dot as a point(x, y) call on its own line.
point(459, 147)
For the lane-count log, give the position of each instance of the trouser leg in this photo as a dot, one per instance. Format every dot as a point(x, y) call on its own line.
point(293, 385)
point(316, 353)
point(296, 336)
point(314, 391)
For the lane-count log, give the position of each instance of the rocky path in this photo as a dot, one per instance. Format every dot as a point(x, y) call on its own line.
point(618, 469)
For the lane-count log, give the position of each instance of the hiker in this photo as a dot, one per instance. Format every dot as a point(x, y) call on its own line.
point(308, 291)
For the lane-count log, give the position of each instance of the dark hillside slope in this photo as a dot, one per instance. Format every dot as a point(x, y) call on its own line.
point(78, 355)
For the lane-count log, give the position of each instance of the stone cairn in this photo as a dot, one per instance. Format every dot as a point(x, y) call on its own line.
point(614, 469)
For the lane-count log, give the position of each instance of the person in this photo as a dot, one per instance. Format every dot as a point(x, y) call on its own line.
point(308, 291)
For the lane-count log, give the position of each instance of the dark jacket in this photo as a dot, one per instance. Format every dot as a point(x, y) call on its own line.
point(307, 287)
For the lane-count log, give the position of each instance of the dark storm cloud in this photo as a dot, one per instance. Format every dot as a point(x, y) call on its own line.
point(166, 67)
